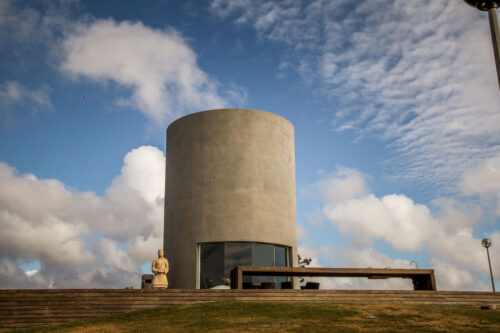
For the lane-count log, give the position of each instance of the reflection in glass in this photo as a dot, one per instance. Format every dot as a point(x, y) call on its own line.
point(262, 255)
point(212, 262)
point(236, 254)
point(280, 256)
point(218, 259)
point(280, 260)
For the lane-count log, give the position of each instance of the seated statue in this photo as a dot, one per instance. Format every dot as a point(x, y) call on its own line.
point(160, 269)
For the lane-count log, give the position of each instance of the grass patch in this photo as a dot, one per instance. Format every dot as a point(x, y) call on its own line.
point(290, 317)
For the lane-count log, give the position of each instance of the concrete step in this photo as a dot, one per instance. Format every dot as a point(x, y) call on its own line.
point(23, 300)
point(48, 292)
point(124, 297)
point(26, 308)
point(5, 292)
point(123, 300)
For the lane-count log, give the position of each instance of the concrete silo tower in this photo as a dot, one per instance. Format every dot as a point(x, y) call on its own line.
point(229, 196)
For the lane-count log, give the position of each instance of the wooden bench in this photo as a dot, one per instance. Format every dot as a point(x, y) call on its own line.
point(423, 279)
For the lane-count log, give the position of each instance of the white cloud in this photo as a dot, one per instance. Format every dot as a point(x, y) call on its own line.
point(12, 276)
point(394, 218)
point(81, 239)
point(446, 230)
point(116, 258)
point(16, 99)
point(344, 184)
point(484, 180)
point(34, 27)
point(356, 258)
point(420, 75)
point(31, 272)
point(138, 167)
point(141, 247)
point(12, 92)
point(451, 277)
point(156, 68)
point(157, 65)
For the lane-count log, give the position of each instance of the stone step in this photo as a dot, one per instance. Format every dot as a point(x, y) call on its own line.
point(49, 310)
point(85, 305)
point(26, 308)
point(48, 292)
point(126, 298)
point(4, 301)
point(123, 296)
point(104, 303)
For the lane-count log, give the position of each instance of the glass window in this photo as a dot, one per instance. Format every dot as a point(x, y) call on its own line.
point(236, 254)
point(211, 264)
point(217, 260)
point(280, 257)
point(262, 255)
point(280, 260)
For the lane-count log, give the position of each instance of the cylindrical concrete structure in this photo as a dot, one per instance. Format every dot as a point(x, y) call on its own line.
point(230, 177)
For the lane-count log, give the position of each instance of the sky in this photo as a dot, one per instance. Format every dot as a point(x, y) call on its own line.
point(395, 104)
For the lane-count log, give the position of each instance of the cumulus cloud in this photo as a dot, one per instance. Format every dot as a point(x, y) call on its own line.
point(394, 218)
point(138, 166)
point(418, 75)
point(81, 239)
point(158, 66)
point(446, 229)
point(453, 277)
point(366, 257)
point(344, 184)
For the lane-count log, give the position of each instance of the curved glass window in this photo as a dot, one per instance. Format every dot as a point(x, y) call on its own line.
point(216, 260)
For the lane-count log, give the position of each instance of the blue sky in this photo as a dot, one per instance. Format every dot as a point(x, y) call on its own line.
point(395, 106)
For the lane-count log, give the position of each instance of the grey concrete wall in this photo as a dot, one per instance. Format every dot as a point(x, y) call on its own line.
point(230, 176)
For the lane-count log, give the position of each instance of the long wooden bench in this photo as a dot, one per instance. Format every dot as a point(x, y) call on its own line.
point(423, 279)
